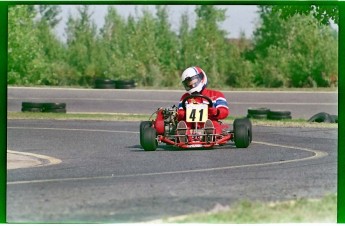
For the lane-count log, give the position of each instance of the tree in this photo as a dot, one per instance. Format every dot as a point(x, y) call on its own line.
point(167, 47)
point(239, 71)
point(49, 13)
point(298, 52)
point(114, 45)
point(185, 42)
point(26, 63)
point(323, 13)
point(144, 51)
point(52, 46)
point(82, 46)
point(206, 43)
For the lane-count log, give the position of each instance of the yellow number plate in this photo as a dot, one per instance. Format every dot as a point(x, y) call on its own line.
point(196, 112)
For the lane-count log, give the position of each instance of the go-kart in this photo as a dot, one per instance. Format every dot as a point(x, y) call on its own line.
point(163, 129)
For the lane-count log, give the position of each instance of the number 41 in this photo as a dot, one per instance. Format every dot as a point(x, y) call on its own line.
point(192, 115)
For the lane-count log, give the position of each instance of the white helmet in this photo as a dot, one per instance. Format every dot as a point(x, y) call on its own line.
point(194, 79)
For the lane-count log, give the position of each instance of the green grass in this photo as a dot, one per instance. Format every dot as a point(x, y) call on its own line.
point(297, 211)
point(144, 117)
point(77, 116)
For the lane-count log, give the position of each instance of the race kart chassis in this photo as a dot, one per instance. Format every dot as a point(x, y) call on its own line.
point(163, 129)
point(195, 143)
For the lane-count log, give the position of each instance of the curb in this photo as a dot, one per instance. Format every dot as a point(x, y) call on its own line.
point(19, 160)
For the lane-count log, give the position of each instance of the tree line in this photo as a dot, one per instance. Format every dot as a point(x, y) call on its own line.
point(285, 51)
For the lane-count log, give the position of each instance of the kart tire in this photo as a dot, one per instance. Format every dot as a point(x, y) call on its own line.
point(246, 122)
point(148, 140)
point(321, 117)
point(241, 136)
point(143, 125)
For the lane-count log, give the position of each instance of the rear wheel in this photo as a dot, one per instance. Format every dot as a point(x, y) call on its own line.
point(148, 139)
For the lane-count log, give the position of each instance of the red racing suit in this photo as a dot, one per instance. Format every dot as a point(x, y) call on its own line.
point(220, 109)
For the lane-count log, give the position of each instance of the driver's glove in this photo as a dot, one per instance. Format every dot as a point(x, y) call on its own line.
point(212, 112)
point(181, 114)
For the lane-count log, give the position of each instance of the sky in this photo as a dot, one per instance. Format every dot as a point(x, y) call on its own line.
point(240, 18)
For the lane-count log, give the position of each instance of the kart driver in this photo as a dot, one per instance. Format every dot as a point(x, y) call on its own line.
point(194, 80)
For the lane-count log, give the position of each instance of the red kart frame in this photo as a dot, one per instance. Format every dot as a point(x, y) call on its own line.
point(163, 130)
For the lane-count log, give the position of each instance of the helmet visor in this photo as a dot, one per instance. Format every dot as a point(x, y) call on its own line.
point(191, 82)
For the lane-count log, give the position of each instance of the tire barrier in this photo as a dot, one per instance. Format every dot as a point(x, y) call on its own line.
point(103, 83)
point(265, 113)
point(335, 118)
point(44, 107)
point(278, 115)
point(54, 107)
point(32, 107)
point(324, 117)
point(125, 84)
point(258, 113)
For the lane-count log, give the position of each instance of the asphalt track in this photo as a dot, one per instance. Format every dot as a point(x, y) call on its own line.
point(96, 172)
point(89, 171)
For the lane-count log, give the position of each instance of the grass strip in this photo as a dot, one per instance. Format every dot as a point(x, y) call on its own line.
point(77, 116)
point(296, 211)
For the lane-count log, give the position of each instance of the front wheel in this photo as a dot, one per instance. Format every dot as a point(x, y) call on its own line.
point(242, 132)
point(246, 122)
point(148, 139)
point(242, 139)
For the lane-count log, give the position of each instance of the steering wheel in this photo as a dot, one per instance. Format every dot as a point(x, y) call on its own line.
point(210, 104)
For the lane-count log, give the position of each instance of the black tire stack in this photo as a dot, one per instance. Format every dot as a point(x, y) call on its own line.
point(278, 115)
point(104, 83)
point(124, 84)
point(265, 113)
point(258, 113)
point(32, 107)
point(44, 107)
point(54, 107)
point(101, 83)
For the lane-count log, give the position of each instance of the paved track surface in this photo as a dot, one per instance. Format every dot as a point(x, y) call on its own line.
point(301, 104)
point(105, 176)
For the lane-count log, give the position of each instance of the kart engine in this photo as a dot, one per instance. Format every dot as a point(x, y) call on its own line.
point(170, 120)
